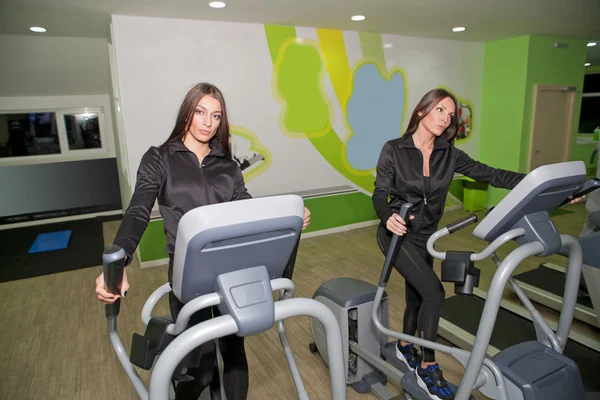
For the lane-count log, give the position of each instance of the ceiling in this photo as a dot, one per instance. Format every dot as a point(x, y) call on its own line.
point(485, 20)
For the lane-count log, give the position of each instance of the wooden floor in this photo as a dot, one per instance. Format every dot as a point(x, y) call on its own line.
point(54, 343)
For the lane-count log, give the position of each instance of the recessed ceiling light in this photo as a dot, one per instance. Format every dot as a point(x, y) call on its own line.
point(388, 45)
point(358, 18)
point(587, 64)
point(591, 44)
point(217, 4)
point(37, 29)
point(458, 29)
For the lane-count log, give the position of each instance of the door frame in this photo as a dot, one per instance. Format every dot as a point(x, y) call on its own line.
point(571, 91)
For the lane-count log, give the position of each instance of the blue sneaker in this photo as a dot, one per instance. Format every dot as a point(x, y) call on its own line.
point(409, 355)
point(431, 380)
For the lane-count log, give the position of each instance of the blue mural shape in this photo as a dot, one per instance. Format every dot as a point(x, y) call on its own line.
point(374, 111)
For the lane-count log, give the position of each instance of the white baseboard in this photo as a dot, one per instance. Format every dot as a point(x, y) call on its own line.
point(454, 208)
point(61, 219)
point(340, 229)
point(154, 263)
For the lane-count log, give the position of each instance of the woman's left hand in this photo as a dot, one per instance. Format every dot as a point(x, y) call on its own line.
point(576, 200)
point(306, 218)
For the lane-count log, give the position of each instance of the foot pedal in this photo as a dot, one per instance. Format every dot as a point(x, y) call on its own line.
point(410, 385)
point(389, 354)
point(143, 352)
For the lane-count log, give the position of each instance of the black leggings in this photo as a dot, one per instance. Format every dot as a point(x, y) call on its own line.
point(424, 291)
point(235, 364)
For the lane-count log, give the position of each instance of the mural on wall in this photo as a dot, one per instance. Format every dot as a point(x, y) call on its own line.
point(252, 157)
point(465, 117)
point(465, 122)
point(372, 99)
point(375, 113)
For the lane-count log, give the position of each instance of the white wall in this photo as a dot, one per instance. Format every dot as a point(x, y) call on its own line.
point(430, 63)
point(48, 72)
point(159, 60)
point(52, 66)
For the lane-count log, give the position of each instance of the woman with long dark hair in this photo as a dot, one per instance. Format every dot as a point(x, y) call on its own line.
point(192, 168)
point(418, 168)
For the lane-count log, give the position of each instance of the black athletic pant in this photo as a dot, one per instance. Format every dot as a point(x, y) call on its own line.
point(235, 364)
point(424, 291)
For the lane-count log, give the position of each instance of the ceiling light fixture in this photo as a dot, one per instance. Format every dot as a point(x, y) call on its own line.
point(217, 4)
point(587, 64)
point(358, 18)
point(37, 29)
point(591, 44)
point(458, 29)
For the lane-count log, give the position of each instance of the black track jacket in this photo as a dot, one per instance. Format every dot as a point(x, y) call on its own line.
point(400, 175)
point(174, 176)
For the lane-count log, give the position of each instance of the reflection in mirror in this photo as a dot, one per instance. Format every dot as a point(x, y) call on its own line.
point(28, 134)
point(83, 131)
point(589, 116)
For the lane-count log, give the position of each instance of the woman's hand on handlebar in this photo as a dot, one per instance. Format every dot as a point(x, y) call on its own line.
point(396, 224)
point(306, 218)
point(576, 200)
point(104, 295)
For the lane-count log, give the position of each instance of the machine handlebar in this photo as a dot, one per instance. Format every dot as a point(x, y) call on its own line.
point(390, 258)
point(113, 259)
point(585, 188)
point(461, 223)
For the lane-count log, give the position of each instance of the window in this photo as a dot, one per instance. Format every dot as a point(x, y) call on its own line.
point(51, 133)
point(29, 134)
point(83, 131)
point(589, 118)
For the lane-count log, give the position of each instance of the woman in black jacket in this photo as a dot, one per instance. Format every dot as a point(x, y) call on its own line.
point(418, 168)
point(192, 168)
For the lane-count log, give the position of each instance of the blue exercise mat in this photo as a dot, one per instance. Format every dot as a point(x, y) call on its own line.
point(50, 242)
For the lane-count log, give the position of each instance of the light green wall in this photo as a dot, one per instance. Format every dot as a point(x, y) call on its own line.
point(511, 69)
point(583, 152)
point(152, 244)
point(551, 66)
point(334, 211)
point(502, 106)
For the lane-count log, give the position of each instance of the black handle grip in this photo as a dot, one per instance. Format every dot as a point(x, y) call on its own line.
point(462, 223)
point(390, 259)
point(585, 188)
point(114, 263)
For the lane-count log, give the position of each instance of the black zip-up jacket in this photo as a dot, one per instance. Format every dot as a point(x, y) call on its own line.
point(175, 177)
point(400, 175)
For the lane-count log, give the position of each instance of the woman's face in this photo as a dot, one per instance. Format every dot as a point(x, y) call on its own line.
point(440, 117)
point(206, 119)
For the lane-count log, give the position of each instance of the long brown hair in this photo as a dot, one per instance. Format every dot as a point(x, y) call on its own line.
point(425, 106)
point(186, 114)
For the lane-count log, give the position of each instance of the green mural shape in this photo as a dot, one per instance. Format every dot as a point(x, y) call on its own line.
point(298, 81)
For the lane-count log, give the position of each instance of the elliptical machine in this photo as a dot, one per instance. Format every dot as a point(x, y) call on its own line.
point(531, 370)
point(362, 311)
point(232, 256)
